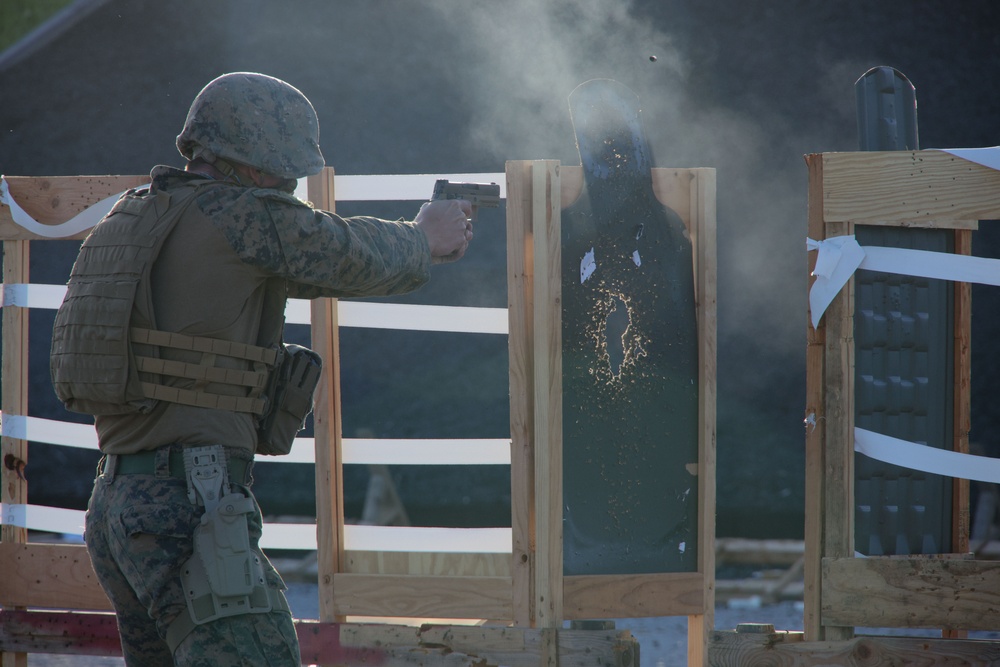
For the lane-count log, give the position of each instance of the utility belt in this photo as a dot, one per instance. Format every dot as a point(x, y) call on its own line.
point(152, 463)
point(224, 576)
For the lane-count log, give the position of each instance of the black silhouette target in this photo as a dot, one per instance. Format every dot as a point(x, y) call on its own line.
point(630, 355)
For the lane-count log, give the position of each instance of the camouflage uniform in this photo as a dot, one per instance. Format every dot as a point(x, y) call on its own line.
point(138, 534)
point(232, 255)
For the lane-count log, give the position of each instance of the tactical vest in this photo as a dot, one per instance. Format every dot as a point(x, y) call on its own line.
point(106, 358)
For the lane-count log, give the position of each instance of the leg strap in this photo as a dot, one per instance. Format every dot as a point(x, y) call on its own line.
point(182, 626)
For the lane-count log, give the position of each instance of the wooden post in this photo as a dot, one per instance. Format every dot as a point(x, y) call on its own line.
point(547, 344)
point(703, 219)
point(520, 298)
point(838, 454)
point(963, 397)
point(829, 422)
point(814, 417)
point(14, 384)
point(326, 428)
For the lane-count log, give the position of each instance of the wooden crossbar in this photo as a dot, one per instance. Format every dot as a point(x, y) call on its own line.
point(368, 645)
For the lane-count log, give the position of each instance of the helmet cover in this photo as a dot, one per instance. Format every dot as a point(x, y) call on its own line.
point(256, 120)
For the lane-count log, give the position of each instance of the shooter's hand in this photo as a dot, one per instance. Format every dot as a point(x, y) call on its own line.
point(448, 228)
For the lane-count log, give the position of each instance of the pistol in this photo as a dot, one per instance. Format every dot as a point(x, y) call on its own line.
point(477, 194)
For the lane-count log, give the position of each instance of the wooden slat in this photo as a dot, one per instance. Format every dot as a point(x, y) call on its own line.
point(571, 185)
point(73, 633)
point(908, 188)
point(56, 576)
point(547, 345)
point(902, 592)
point(838, 462)
point(368, 645)
point(702, 228)
point(427, 563)
point(634, 596)
point(14, 386)
point(731, 649)
point(326, 427)
point(960, 521)
point(500, 646)
point(520, 300)
point(679, 190)
point(52, 200)
point(815, 420)
point(423, 597)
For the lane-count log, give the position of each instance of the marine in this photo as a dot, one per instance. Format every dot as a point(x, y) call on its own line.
point(171, 335)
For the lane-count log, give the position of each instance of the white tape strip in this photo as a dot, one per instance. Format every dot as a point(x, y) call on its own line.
point(836, 261)
point(926, 459)
point(404, 187)
point(360, 451)
point(49, 431)
point(39, 517)
point(422, 318)
point(426, 452)
point(460, 540)
point(82, 221)
point(408, 317)
point(298, 536)
point(363, 314)
point(28, 295)
point(927, 264)
point(298, 311)
point(840, 256)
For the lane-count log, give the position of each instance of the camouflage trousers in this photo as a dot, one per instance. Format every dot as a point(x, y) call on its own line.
point(139, 533)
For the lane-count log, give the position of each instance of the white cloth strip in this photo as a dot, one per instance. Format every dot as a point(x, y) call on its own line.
point(988, 157)
point(404, 187)
point(298, 311)
point(426, 452)
point(40, 517)
point(29, 295)
point(289, 536)
point(915, 456)
point(410, 317)
point(406, 538)
point(927, 264)
point(361, 314)
point(472, 451)
point(49, 431)
point(82, 221)
point(298, 536)
point(839, 257)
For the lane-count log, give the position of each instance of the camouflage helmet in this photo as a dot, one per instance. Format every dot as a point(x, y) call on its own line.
point(256, 120)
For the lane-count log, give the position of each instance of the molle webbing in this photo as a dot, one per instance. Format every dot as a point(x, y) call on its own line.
point(106, 353)
point(253, 382)
point(91, 353)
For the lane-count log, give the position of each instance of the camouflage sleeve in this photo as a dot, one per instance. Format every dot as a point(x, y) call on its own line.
point(322, 254)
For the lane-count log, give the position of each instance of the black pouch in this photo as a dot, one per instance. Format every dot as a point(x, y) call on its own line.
point(289, 399)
